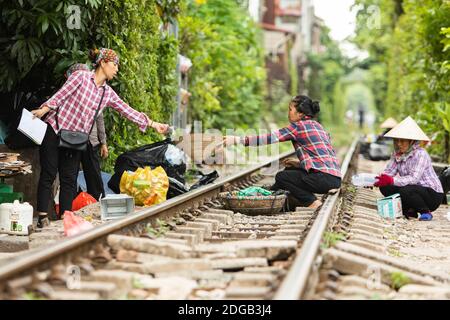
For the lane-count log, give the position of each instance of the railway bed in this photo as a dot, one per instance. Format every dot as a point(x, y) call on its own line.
point(190, 247)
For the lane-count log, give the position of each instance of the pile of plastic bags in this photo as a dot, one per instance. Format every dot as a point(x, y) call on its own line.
point(82, 200)
point(147, 186)
point(162, 153)
point(74, 225)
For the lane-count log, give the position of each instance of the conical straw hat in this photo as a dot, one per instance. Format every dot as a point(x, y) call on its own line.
point(389, 123)
point(407, 129)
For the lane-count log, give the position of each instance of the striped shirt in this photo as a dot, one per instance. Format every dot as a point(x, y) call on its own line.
point(311, 143)
point(98, 134)
point(77, 102)
point(416, 169)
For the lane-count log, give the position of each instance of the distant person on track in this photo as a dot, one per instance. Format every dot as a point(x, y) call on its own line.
point(317, 169)
point(410, 173)
point(361, 117)
point(74, 107)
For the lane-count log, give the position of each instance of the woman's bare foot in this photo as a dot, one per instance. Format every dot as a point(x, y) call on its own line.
point(315, 204)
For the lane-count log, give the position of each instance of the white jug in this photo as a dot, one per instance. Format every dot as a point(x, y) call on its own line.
point(15, 217)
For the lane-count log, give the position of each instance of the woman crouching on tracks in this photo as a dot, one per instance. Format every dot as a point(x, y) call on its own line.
point(410, 173)
point(70, 114)
point(317, 169)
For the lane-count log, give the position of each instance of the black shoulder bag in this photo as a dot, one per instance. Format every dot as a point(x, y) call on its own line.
point(76, 140)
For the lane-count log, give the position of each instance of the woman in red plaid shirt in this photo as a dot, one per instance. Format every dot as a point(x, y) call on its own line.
point(74, 108)
point(317, 169)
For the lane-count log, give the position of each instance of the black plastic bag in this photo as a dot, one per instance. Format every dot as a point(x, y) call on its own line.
point(176, 188)
point(444, 177)
point(205, 179)
point(151, 155)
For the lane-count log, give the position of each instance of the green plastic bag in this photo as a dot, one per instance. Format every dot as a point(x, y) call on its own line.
point(254, 191)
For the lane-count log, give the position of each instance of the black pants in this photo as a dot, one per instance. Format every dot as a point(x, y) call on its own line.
point(57, 160)
point(414, 197)
point(302, 185)
point(90, 160)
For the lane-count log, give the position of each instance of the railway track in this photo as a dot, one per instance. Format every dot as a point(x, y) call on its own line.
point(186, 248)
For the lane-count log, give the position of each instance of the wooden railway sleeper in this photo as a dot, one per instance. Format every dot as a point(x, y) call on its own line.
point(204, 207)
point(58, 275)
point(84, 264)
point(187, 216)
point(197, 212)
point(100, 254)
point(215, 203)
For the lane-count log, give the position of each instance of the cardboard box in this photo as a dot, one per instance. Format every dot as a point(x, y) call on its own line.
point(390, 207)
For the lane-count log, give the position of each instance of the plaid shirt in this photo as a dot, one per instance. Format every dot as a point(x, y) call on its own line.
point(311, 143)
point(416, 169)
point(78, 100)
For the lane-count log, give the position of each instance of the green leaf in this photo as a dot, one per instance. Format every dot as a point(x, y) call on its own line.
point(44, 26)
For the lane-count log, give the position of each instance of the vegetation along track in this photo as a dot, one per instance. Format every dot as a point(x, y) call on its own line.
point(188, 247)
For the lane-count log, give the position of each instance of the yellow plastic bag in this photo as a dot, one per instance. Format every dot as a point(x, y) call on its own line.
point(147, 186)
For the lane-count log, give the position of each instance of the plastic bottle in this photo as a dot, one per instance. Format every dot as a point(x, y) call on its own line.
point(364, 179)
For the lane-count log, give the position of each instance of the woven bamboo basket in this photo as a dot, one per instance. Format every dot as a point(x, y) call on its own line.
point(253, 205)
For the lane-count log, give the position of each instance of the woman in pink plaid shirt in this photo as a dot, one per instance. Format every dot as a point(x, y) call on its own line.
point(74, 108)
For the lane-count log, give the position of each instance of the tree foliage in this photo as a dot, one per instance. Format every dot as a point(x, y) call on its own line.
point(36, 42)
point(37, 45)
point(410, 60)
point(324, 83)
point(147, 79)
point(228, 77)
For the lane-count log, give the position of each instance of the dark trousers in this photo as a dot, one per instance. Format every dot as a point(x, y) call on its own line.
point(302, 185)
point(90, 160)
point(414, 197)
point(57, 160)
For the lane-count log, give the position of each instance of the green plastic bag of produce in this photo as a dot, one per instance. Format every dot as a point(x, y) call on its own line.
point(254, 191)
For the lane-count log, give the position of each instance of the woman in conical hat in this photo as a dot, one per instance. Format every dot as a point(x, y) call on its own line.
point(410, 173)
point(387, 125)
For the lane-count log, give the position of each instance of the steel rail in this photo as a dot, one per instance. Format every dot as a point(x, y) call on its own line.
point(40, 256)
point(295, 283)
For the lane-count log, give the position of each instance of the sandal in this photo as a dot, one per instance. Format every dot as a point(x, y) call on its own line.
point(426, 216)
point(43, 221)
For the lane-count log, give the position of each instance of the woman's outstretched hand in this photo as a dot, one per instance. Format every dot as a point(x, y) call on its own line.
point(159, 127)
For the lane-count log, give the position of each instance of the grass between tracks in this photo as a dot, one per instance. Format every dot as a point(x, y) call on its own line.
point(331, 238)
point(398, 280)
